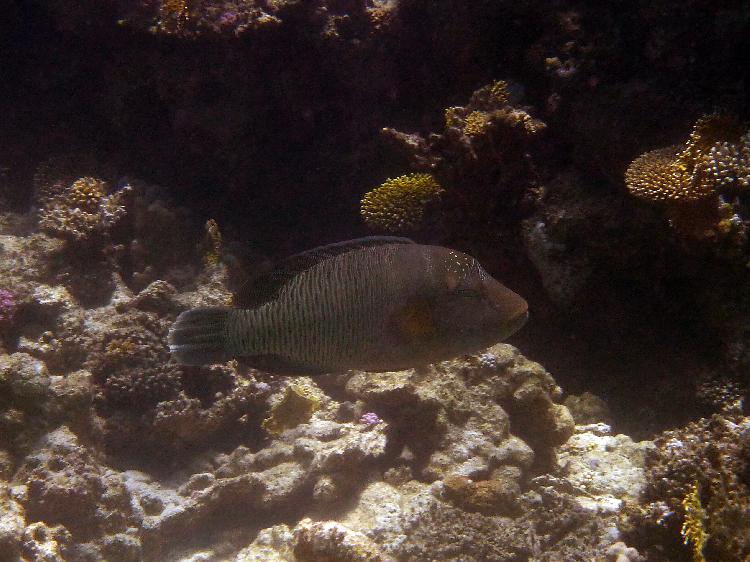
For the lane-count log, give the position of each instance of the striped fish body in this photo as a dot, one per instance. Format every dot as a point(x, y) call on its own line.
point(335, 316)
point(373, 305)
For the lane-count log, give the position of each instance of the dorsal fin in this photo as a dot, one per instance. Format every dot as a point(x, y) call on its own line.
point(265, 287)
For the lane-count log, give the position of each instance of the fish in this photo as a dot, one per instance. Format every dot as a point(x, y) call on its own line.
point(380, 303)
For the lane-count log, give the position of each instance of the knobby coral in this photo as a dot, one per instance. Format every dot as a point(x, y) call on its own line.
point(728, 164)
point(399, 203)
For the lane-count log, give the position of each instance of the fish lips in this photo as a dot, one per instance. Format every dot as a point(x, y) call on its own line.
point(511, 307)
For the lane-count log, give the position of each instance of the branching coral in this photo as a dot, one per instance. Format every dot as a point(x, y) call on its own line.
point(490, 105)
point(399, 204)
point(500, 91)
point(212, 255)
point(693, 529)
point(173, 14)
point(80, 209)
point(476, 123)
point(87, 193)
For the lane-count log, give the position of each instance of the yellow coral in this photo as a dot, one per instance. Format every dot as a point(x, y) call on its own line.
point(693, 529)
point(174, 14)
point(399, 203)
point(681, 173)
point(476, 123)
point(296, 406)
point(121, 348)
point(707, 131)
point(499, 91)
point(729, 163)
point(86, 193)
point(213, 236)
point(660, 176)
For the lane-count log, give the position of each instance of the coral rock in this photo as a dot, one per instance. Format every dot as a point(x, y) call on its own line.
point(485, 496)
point(329, 541)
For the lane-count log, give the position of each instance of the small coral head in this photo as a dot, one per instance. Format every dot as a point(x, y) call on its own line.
point(399, 203)
point(499, 91)
point(370, 418)
point(86, 193)
point(8, 305)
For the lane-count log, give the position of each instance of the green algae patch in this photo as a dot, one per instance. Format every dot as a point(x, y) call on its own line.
point(295, 407)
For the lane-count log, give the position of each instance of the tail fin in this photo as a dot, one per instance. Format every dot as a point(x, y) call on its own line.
point(197, 336)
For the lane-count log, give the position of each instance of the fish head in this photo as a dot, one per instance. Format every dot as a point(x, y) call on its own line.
point(473, 306)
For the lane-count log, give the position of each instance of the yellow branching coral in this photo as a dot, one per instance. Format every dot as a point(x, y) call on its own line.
point(174, 14)
point(476, 123)
point(693, 529)
point(499, 91)
point(86, 193)
point(296, 406)
point(399, 203)
point(213, 237)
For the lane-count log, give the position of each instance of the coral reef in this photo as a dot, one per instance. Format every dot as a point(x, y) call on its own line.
point(484, 156)
point(230, 18)
point(698, 487)
point(268, 117)
point(141, 459)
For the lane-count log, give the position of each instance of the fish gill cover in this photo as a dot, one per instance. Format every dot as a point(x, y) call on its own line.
point(159, 156)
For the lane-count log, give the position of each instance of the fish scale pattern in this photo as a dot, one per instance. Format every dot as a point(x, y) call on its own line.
point(343, 305)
